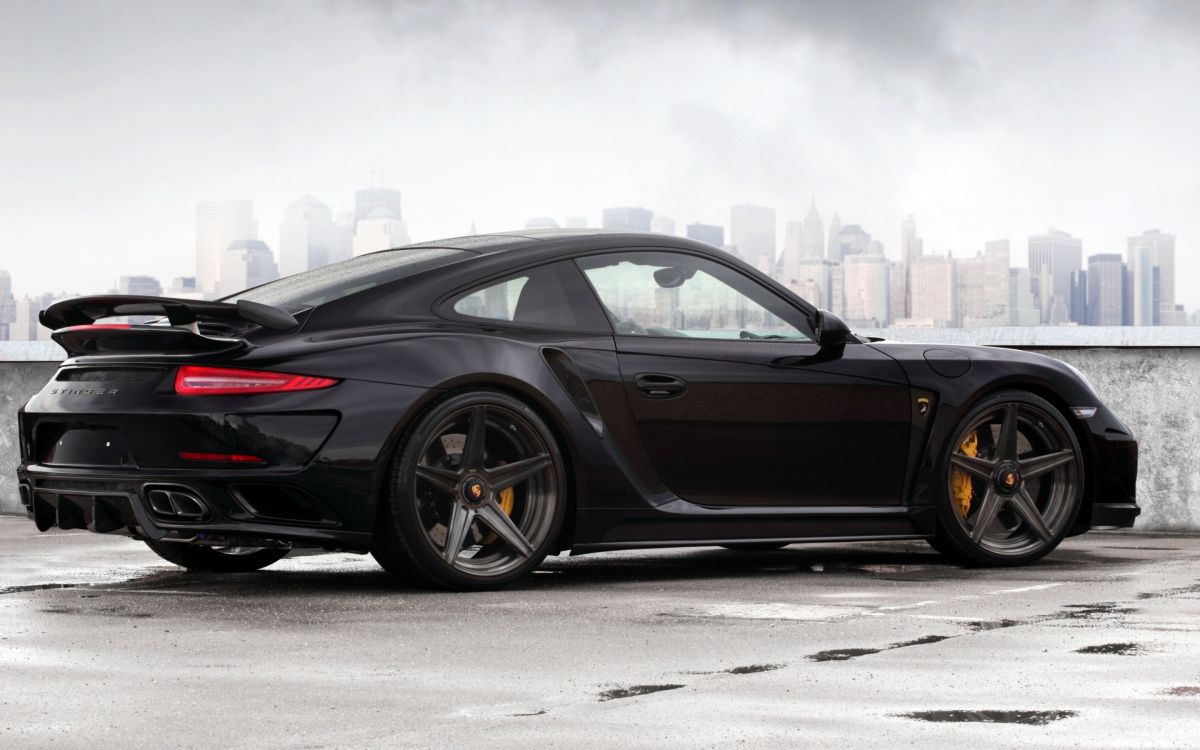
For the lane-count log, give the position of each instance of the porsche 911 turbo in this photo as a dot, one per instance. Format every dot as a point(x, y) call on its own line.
point(461, 409)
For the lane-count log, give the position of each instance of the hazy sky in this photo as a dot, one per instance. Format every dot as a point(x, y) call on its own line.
point(984, 120)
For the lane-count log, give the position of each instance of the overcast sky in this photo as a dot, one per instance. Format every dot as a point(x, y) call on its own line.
point(983, 120)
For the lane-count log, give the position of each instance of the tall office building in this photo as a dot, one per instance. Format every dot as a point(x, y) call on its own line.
point(381, 229)
point(8, 304)
point(865, 288)
point(218, 225)
point(246, 264)
point(627, 218)
point(1023, 309)
point(812, 282)
point(342, 244)
point(831, 246)
point(752, 232)
point(184, 287)
point(793, 251)
point(710, 234)
point(1105, 290)
point(1053, 257)
point(813, 243)
point(898, 292)
point(981, 287)
point(662, 225)
point(851, 240)
point(1151, 262)
point(369, 199)
point(911, 246)
point(931, 291)
point(305, 236)
point(142, 286)
point(25, 325)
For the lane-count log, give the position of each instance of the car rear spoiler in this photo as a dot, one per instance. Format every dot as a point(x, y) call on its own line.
point(76, 330)
point(84, 311)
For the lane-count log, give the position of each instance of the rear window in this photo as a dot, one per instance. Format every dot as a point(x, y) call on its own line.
point(325, 284)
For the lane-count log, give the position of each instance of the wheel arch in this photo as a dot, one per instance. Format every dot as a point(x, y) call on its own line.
point(543, 407)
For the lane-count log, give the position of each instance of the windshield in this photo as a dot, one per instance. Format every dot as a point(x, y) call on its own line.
point(321, 285)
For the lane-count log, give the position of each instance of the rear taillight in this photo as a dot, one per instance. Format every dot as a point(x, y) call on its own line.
point(223, 458)
point(197, 380)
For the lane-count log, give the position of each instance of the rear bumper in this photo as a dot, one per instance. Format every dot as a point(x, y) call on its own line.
point(173, 506)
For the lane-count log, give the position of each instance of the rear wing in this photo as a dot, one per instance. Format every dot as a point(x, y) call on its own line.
point(181, 313)
point(76, 330)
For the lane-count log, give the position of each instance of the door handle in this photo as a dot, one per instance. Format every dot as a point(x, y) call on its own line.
point(657, 385)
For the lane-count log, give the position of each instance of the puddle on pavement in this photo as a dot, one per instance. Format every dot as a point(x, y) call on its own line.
point(1035, 718)
point(978, 626)
point(632, 691)
point(1114, 649)
point(1097, 611)
point(1184, 691)
point(845, 654)
point(754, 668)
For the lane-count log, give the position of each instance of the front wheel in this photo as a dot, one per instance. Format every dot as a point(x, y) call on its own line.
point(1011, 482)
point(198, 558)
point(477, 495)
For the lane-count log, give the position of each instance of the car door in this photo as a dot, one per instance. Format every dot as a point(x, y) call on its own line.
point(734, 404)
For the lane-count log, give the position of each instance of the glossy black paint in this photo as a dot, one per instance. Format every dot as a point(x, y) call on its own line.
point(668, 441)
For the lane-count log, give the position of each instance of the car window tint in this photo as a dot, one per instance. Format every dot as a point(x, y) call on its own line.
point(672, 294)
point(550, 296)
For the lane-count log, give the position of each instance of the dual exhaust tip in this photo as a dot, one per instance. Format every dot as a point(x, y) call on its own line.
point(176, 503)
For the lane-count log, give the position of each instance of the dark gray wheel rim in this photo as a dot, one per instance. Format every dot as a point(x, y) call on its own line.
point(1025, 477)
point(464, 474)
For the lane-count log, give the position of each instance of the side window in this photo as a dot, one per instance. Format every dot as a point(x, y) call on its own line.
point(550, 296)
point(673, 294)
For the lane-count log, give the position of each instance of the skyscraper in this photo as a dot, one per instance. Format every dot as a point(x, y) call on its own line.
point(851, 240)
point(627, 218)
point(381, 229)
point(8, 304)
point(369, 199)
point(752, 232)
point(1105, 290)
point(813, 282)
point(1022, 305)
point(911, 246)
point(931, 291)
point(792, 253)
point(813, 243)
point(709, 234)
point(218, 225)
point(246, 264)
point(835, 228)
point(662, 225)
point(865, 288)
point(145, 286)
point(305, 236)
point(981, 287)
point(1151, 261)
point(1053, 257)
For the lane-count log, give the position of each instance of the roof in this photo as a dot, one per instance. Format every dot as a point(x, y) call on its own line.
point(498, 241)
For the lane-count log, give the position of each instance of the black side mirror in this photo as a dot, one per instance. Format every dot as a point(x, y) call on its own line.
point(832, 332)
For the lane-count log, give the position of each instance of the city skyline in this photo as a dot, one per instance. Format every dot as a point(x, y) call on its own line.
point(973, 118)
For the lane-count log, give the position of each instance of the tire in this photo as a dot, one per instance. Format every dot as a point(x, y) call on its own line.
point(476, 495)
point(201, 559)
point(755, 546)
point(1003, 498)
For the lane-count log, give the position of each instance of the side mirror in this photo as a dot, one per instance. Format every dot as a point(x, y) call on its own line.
point(832, 332)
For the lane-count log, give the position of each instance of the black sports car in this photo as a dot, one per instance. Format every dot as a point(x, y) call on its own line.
point(463, 408)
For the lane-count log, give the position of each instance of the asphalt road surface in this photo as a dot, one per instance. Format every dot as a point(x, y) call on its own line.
point(873, 645)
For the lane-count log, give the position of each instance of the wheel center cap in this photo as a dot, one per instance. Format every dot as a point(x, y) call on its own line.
point(474, 491)
point(1007, 478)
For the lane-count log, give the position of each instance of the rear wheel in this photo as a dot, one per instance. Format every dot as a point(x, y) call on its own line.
point(217, 559)
point(477, 496)
point(1012, 482)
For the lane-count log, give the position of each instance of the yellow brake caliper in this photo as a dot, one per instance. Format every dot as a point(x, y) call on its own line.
point(506, 499)
point(960, 481)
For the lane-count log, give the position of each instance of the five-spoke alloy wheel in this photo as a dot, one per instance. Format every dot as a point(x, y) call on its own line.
point(476, 498)
point(1014, 482)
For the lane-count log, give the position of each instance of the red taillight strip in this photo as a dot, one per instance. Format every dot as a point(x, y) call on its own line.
point(231, 458)
point(198, 380)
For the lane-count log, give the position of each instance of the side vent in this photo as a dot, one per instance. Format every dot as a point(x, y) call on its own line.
point(278, 502)
point(572, 381)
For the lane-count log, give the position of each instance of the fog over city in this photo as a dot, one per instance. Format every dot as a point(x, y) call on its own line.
point(984, 121)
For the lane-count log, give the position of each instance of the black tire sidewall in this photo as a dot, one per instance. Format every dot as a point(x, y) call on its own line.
point(401, 544)
point(951, 539)
point(198, 558)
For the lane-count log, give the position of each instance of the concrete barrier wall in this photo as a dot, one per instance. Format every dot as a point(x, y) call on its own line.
point(1156, 392)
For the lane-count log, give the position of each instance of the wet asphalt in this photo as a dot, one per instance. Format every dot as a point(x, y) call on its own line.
point(871, 645)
